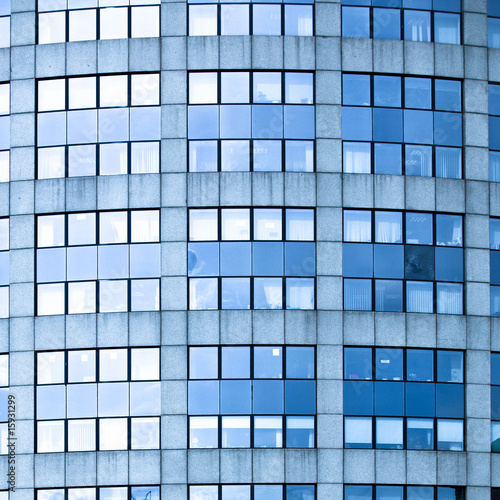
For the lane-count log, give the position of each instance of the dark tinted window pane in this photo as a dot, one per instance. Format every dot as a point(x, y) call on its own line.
point(450, 366)
point(299, 362)
point(357, 363)
point(300, 259)
point(420, 399)
point(300, 397)
point(300, 492)
point(420, 436)
point(449, 264)
point(495, 403)
point(419, 365)
point(387, 125)
point(388, 159)
point(267, 122)
point(389, 364)
point(449, 401)
point(389, 261)
point(419, 228)
point(495, 368)
point(419, 262)
point(447, 5)
point(268, 397)
point(387, 89)
point(445, 493)
point(389, 398)
point(358, 398)
point(203, 122)
point(357, 260)
point(356, 22)
point(494, 99)
point(387, 24)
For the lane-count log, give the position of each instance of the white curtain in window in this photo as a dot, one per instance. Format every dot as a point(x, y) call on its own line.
point(357, 226)
point(357, 157)
point(145, 158)
point(419, 297)
point(449, 298)
point(388, 227)
point(357, 295)
point(81, 435)
point(300, 225)
point(236, 224)
point(300, 293)
point(203, 225)
point(446, 28)
point(448, 163)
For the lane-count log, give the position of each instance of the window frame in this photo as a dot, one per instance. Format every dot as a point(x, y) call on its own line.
point(250, 103)
point(96, 419)
point(129, 244)
point(403, 244)
point(129, 143)
point(404, 381)
point(251, 239)
point(433, 110)
point(251, 378)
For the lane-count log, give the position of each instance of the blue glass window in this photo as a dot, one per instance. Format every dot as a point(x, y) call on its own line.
point(399, 403)
point(255, 389)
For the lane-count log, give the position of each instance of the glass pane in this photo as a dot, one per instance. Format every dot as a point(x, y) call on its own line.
point(203, 362)
point(446, 28)
point(113, 400)
point(419, 228)
point(267, 155)
point(389, 364)
point(356, 22)
point(298, 88)
point(300, 432)
point(51, 95)
point(50, 367)
point(267, 20)
point(267, 87)
point(81, 366)
point(356, 89)
point(113, 434)
point(145, 364)
point(50, 299)
point(81, 437)
point(82, 25)
point(236, 293)
point(235, 432)
point(82, 297)
point(112, 364)
point(417, 25)
point(298, 20)
point(113, 23)
point(202, 88)
point(82, 92)
point(357, 157)
point(145, 22)
point(51, 27)
point(82, 400)
point(203, 293)
point(268, 433)
point(268, 362)
point(203, 432)
point(235, 362)
point(299, 156)
point(234, 19)
point(300, 224)
point(388, 159)
point(300, 362)
point(418, 93)
point(419, 436)
point(235, 156)
point(113, 91)
point(389, 435)
point(113, 296)
point(450, 435)
point(387, 23)
point(235, 224)
point(268, 293)
point(235, 397)
point(202, 20)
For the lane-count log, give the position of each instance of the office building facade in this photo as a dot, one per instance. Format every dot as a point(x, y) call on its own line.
point(250, 250)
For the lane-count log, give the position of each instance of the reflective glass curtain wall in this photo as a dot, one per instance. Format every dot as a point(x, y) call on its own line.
point(415, 20)
point(98, 125)
point(259, 258)
point(252, 397)
point(403, 261)
point(402, 125)
point(259, 121)
point(257, 18)
point(79, 20)
point(403, 399)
